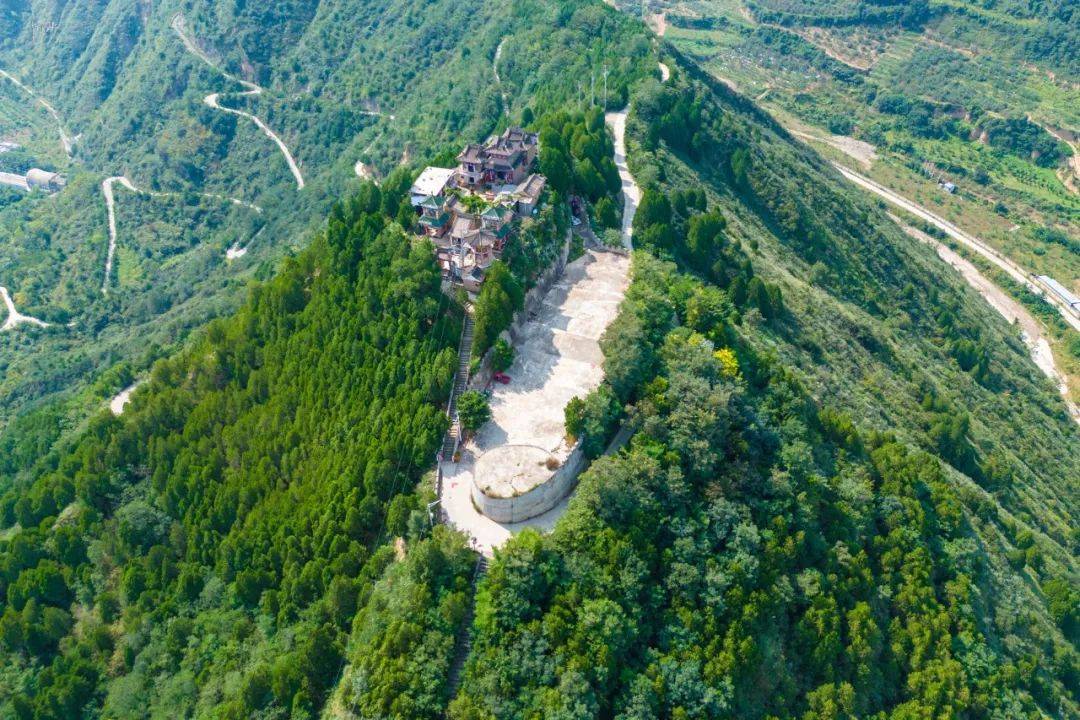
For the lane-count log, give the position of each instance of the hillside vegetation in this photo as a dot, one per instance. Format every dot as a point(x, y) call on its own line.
point(939, 91)
point(822, 550)
point(848, 491)
point(328, 69)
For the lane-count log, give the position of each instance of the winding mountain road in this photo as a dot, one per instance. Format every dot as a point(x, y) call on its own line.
point(65, 140)
point(110, 208)
point(498, 80)
point(14, 317)
point(179, 26)
point(1010, 267)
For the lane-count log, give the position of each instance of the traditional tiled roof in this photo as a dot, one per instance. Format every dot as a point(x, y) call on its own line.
point(462, 227)
point(435, 221)
point(433, 202)
point(532, 186)
point(472, 153)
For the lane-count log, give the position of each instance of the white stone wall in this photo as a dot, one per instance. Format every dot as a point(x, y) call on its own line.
point(537, 501)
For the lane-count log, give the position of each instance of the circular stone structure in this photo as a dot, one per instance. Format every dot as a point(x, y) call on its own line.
point(514, 483)
point(512, 470)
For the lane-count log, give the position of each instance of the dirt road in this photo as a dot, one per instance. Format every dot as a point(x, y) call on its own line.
point(213, 99)
point(110, 209)
point(498, 80)
point(65, 140)
point(117, 404)
point(1014, 271)
point(1014, 312)
point(863, 152)
point(14, 317)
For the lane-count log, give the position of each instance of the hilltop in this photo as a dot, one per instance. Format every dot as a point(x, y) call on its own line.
point(848, 491)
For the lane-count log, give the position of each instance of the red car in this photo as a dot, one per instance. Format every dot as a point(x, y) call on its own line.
point(501, 377)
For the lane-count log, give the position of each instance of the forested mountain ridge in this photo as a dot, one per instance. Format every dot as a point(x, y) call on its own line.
point(849, 492)
point(753, 458)
point(377, 82)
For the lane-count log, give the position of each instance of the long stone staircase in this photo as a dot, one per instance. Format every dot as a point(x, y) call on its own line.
point(461, 381)
point(463, 643)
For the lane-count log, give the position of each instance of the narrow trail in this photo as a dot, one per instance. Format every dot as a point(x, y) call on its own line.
point(179, 26)
point(631, 193)
point(498, 80)
point(1014, 271)
point(665, 72)
point(1013, 311)
point(1070, 175)
point(110, 208)
point(65, 140)
point(14, 317)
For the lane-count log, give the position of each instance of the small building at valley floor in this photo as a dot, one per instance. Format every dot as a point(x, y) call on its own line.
point(35, 179)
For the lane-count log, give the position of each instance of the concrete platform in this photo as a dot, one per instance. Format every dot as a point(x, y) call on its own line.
point(557, 357)
point(521, 448)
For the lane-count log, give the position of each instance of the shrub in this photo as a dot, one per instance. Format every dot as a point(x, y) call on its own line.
point(502, 355)
point(473, 410)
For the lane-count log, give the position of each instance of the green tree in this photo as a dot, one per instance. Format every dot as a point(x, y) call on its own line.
point(473, 410)
point(502, 355)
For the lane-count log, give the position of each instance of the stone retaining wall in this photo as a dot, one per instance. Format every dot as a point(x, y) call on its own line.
point(537, 501)
point(548, 494)
point(533, 300)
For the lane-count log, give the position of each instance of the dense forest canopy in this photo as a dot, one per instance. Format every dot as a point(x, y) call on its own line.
point(381, 82)
point(848, 492)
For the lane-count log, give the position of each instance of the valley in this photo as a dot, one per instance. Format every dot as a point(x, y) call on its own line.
point(774, 423)
point(1024, 216)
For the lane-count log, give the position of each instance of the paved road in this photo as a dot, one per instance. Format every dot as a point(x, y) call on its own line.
point(213, 99)
point(1014, 271)
point(456, 497)
point(14, 317)
point(631, 193)
point(557, 357)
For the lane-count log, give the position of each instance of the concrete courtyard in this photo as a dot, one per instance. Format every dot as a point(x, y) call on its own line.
point(557, 357)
